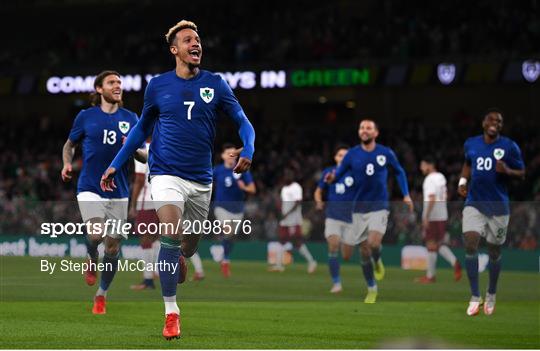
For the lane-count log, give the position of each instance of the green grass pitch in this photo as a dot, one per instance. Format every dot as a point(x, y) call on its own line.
point(259, 309)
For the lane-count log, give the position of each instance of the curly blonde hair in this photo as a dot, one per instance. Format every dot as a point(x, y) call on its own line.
point(183, 24)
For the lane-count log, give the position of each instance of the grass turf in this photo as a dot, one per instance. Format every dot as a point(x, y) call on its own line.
point(258, 309)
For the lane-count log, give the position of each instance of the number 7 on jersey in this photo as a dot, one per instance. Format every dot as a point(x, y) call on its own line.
point(190, 105)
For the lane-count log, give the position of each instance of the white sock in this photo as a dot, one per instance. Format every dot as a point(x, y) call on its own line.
point(279, 255)
point(432, 263)
point(170, 305)
point(101, 292)
point(148, 257)
point(447, 254)
point(155, 250)
point(304, 251)
point(197, 263)
point(372, 288)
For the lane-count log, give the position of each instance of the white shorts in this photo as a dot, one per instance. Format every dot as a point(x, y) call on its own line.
point(339, 228)
point(191, 197)
point(226, 218)
point(92, 205)
point(492, 228)
point(222, 214)
point(368, 222)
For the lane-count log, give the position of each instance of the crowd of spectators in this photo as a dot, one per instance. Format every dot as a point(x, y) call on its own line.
point(31, 191)
point(131, 33)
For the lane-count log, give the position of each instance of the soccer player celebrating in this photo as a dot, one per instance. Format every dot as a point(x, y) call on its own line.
point(339, 197)
point(434, 218)
point(230, 188)
point(180, 110)
point(290, 225)
point(100, 130)
point(142, 209)
point(491, 160)
point(369, 163)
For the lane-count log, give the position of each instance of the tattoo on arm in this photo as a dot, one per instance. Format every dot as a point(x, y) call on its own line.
point(68, 151)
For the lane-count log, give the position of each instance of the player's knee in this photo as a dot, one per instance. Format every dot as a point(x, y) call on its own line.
point(146, 242)
point(365, 251)
point(333, 247)
point(471, 243)
point(374, 243)
point(494, 252)
point(432, 246)
point(146, 245)
point(188, 251)
point(470, 249)
point(112, 250)
point(494, 256)
point(333, 252)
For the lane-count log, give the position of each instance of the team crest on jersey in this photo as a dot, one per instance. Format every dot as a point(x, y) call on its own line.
point(207, 94)
point(123, 126)
point(349, 181)
point(237, 175)
point(498, 153)
point(381, 160)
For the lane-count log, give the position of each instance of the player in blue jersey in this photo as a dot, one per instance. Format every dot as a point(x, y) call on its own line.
point(339, 198)
point(181, 110)
point(491, 160)
point(369, 163)
point(230, 189)
point(99, 130)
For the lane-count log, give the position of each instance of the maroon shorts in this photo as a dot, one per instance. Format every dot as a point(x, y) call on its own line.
point(436, 231)
point(292, 234)
point(147, 217)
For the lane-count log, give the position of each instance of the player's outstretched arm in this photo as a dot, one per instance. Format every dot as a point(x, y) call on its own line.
point(138, 185)
point(247, 188)
point(247, 135)
point(401, 178)
point(232, 108)
point(318, 196)
point(140, 154)
point(67, 157)
point(136, 137)
point(463, 179)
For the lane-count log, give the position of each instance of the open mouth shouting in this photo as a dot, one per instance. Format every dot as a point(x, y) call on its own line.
point(195, 54)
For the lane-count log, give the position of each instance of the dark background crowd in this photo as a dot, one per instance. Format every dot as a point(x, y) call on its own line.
point(270, 32)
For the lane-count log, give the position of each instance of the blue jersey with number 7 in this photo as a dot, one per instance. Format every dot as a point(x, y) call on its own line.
point(183, 114)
